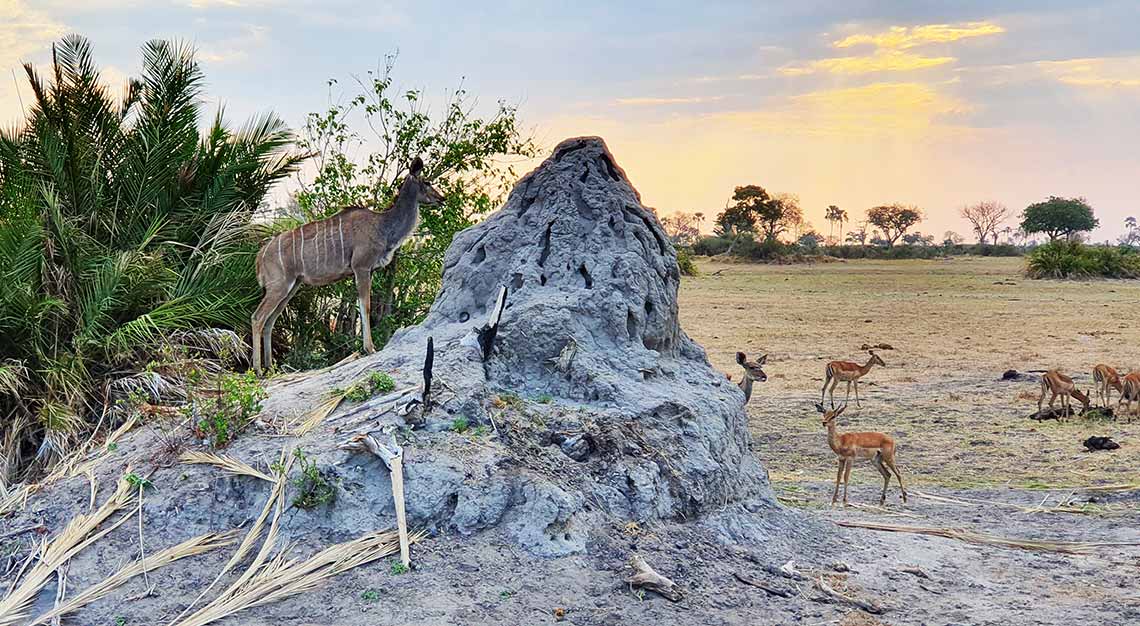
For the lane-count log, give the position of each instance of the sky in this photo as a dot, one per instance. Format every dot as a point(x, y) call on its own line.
point(853, 103)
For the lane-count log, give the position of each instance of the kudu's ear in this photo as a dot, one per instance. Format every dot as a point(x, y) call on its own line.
point(741, 358)
point(416, 167)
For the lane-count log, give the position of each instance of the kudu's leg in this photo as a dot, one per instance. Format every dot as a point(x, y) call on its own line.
point(364, 300)
point(267, 337)
point(269, 301)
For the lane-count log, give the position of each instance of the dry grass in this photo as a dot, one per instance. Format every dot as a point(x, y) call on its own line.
point(955, 332)
point(78, 535)
point(225, 463)
point(987, 539)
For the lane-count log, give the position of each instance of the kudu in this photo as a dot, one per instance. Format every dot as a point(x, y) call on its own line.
point(753, 371)
point(353, 242)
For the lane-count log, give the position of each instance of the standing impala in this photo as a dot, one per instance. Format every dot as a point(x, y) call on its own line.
point(847, 447)
point(1060, 385)
point(753, 371)
point(1130, 393)
point(1106, 379)
point(848, 372)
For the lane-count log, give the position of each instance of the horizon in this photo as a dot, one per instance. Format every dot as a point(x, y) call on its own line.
point(854, 106)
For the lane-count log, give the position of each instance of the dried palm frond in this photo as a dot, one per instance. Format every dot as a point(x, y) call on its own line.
point(73, 539)
point(188, 548)
point(319, 413)
point(1114, 488)
point(226, 463)
point(275, 501)
point(281, 578)
point(16, 498)
point(975, 537)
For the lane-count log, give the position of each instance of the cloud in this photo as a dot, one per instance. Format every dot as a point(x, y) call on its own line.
point(880, 61)
point(904, 37)
point(234, 49)
point(1096, 72)
point(666, 101)
point(23, 31)
point(877, 109)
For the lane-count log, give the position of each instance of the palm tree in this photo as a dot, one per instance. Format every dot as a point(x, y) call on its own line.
point(121, 226)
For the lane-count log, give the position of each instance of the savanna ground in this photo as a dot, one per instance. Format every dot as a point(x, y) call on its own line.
point(963, 433)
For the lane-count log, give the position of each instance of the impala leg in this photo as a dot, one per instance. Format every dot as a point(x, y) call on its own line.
point(838, 477)
point(364, 300)
point(1041, 399)
point(847, 398)
point(886, 477)
point(834, 384)
point(890, 463)
point(847, 479)
point(857, 403)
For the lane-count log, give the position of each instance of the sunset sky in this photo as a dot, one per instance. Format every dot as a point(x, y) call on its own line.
point(852, 103)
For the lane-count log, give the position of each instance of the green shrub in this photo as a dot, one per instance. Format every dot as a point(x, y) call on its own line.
point(460, 424)
point(1072, 259)
point(315, 486)
point(712, 246)
point(376, 383)
point(236, 402)
point(685, 262)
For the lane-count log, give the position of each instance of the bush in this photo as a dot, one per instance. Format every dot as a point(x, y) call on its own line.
point(712, 246)
point(233, 406)
point(1072, 259)
point(685, 262)
point(124, 223)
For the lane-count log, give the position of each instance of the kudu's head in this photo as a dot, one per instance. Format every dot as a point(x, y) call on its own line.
point(753, 370)
point(424, 191)
point(829, 415)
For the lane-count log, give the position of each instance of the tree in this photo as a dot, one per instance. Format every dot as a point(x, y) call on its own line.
point(1057, 217)
point(683, 228)
point(918, 239)
point(951, 238)
point(779, 214)
point(464, 155)
point(984, 218)
point(894, 220)
point(859, 235)
point(739, 216)
point(832, 215)
point(810, 240)
point(1131, 234)
point(125, 236)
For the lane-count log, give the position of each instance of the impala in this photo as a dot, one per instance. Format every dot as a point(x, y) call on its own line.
point(878, 447)
point(753, 371)
point(848, 372)
point(1106, 379)
point(1060, 385)
point(1130, 393)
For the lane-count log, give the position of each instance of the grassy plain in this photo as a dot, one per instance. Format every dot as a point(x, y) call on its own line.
point(956, 325)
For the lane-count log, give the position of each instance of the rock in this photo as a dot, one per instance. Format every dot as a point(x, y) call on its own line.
point(578, 447)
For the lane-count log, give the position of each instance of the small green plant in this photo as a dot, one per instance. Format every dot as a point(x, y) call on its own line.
point(480, 431)
point(460, 424)
point(138, 482)
point(120, 621)
point(397, 568)
point(506, 594)
point(686, 262)
point(509, 399)
point(112, 447)
point(544, 398)
point(314, 485)
point(238, 400)
point(370, 595)
point(376, 383)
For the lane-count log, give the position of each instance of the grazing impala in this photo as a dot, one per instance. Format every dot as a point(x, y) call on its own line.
point(753, 371)
point(1131, 393)
point(1060, 385)
point(878, 447)
point(1106, 379)
point(848, 372)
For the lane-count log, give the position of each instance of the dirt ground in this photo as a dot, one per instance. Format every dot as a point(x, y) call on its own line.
point(956, 326)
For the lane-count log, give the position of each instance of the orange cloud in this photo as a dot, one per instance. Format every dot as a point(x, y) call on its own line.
point(1100, 72)
point(665, 101)
point(903, 37)
point(881, 61)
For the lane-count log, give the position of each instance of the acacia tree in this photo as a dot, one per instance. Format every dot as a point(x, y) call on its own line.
point(894, 220)
point(467, 157)
point(778, 215)
point(1057, 217)
point(683, 228)
point(1131, 233)
point(984, 218)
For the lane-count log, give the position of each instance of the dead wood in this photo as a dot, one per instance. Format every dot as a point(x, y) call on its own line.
point(834, 596)
point(646, 577)
point(759, 584)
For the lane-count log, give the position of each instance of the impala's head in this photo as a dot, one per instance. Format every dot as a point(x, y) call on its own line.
point(876, 359)
point(425, 192)
point(829, 415)
point(753, 369)
point(1083, 397)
